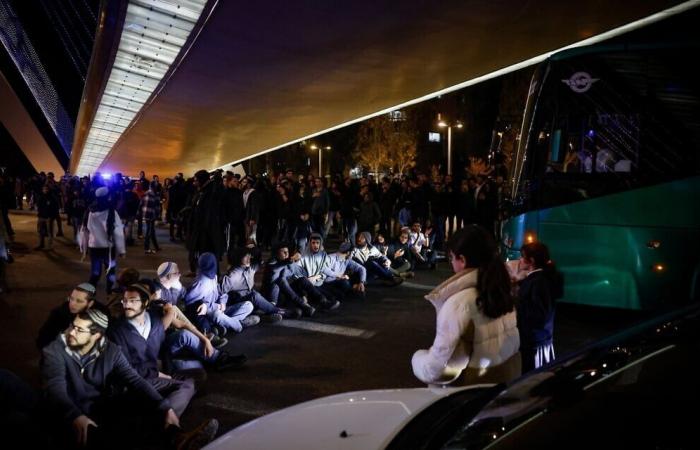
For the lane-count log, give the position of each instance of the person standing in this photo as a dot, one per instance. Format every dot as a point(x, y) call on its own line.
point(105, 239)
point(46, 211)
point(477, 339)
point(537, 293)
point(150, 212)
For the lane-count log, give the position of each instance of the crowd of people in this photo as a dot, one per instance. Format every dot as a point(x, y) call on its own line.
point(154, 337)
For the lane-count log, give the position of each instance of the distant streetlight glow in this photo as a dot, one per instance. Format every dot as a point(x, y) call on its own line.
point(320, 153)
point(444, 124)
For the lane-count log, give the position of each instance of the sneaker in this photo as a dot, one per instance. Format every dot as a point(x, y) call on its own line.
point(329, 305)
point(250, 321)
point(271, 318)
point(218, 341)
point(200, 436)
point(406, 275)
point(226, 361)
point(308, 310)
point(219, 330)
point(290, 313)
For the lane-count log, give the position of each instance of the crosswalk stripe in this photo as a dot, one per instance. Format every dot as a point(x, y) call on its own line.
point(330, 329)
point(418, 286)
point(237, 405)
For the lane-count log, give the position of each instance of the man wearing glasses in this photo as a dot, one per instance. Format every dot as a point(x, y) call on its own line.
point(80, 299)
point(81, 368)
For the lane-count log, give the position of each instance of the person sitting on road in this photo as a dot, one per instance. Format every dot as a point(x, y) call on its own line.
point(207, 307)
point(313, 261)
point(143, 334)
point(282, 285)
point(399, 253)
point(419, 244)
point(239, 284)
point(343, 275)
point(81, 370)
point(376, 264)
point(476, 340)
point(80, 299)
point(168, 281)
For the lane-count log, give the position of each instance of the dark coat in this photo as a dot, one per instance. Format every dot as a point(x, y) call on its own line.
point(141, 353)
point(536, 297)
point(73, 387)
point(206, 220)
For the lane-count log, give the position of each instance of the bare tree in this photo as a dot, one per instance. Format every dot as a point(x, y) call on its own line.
point(372, 148)
point(403, 144)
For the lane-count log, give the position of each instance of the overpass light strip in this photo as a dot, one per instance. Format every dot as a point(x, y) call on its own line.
point(656, 17)
point(153, 34)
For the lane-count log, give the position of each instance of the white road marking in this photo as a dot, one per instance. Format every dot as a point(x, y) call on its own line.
point(418, 286)
point(330, 329)
point(237, 405)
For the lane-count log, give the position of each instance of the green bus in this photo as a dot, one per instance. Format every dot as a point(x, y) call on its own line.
point(607, 171)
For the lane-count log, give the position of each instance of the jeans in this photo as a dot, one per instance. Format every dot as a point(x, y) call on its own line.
point(231, 317)
point(282, 287)
point(337, 289)
point(99, 258)
point(150, 235)
point(350, 229)
point(305, 287)
point(377, 270)
point(178, 392)
point(258, 301)
point(186, 351)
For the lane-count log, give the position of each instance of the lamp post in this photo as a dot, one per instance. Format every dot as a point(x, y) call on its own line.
point(444, 124)
point(320, 153)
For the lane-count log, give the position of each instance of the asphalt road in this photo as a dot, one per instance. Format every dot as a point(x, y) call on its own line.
point(365, 344)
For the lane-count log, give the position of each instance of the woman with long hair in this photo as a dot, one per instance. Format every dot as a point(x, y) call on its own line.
point(537, 292)
point(476, 340)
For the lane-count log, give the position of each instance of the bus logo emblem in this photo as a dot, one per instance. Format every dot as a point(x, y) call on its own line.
point(580, 82)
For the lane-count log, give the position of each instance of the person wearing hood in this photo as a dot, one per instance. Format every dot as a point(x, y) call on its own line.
point(477, 339)
point(207, 307)
point(376, 264)
point(343, 275)
point(239, 284)
point(313, 262)
point(105, 239)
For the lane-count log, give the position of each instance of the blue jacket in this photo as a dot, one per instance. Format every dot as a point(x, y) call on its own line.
point(141, 353)
point(338, 266)
point(72, 386)
point(205, 288)
point(240, 280)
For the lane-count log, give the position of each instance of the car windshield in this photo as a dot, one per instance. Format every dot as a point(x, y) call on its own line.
point(631, 392)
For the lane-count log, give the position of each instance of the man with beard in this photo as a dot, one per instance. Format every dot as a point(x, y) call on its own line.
point(313, 262)
point(80, 299)
point(81, 368)
point(141, 334)
point(377, 265)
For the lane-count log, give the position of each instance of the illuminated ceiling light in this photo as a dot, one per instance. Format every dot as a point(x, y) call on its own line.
point(497, 73)
point(153, 35)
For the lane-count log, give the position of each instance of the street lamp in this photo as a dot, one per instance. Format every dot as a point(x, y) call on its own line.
point(320, 148)
point(444, 124)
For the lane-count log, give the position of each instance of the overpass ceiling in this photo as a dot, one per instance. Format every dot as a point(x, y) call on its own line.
point(264, 74)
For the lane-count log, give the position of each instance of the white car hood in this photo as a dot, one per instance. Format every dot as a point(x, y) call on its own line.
point(370, 419)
